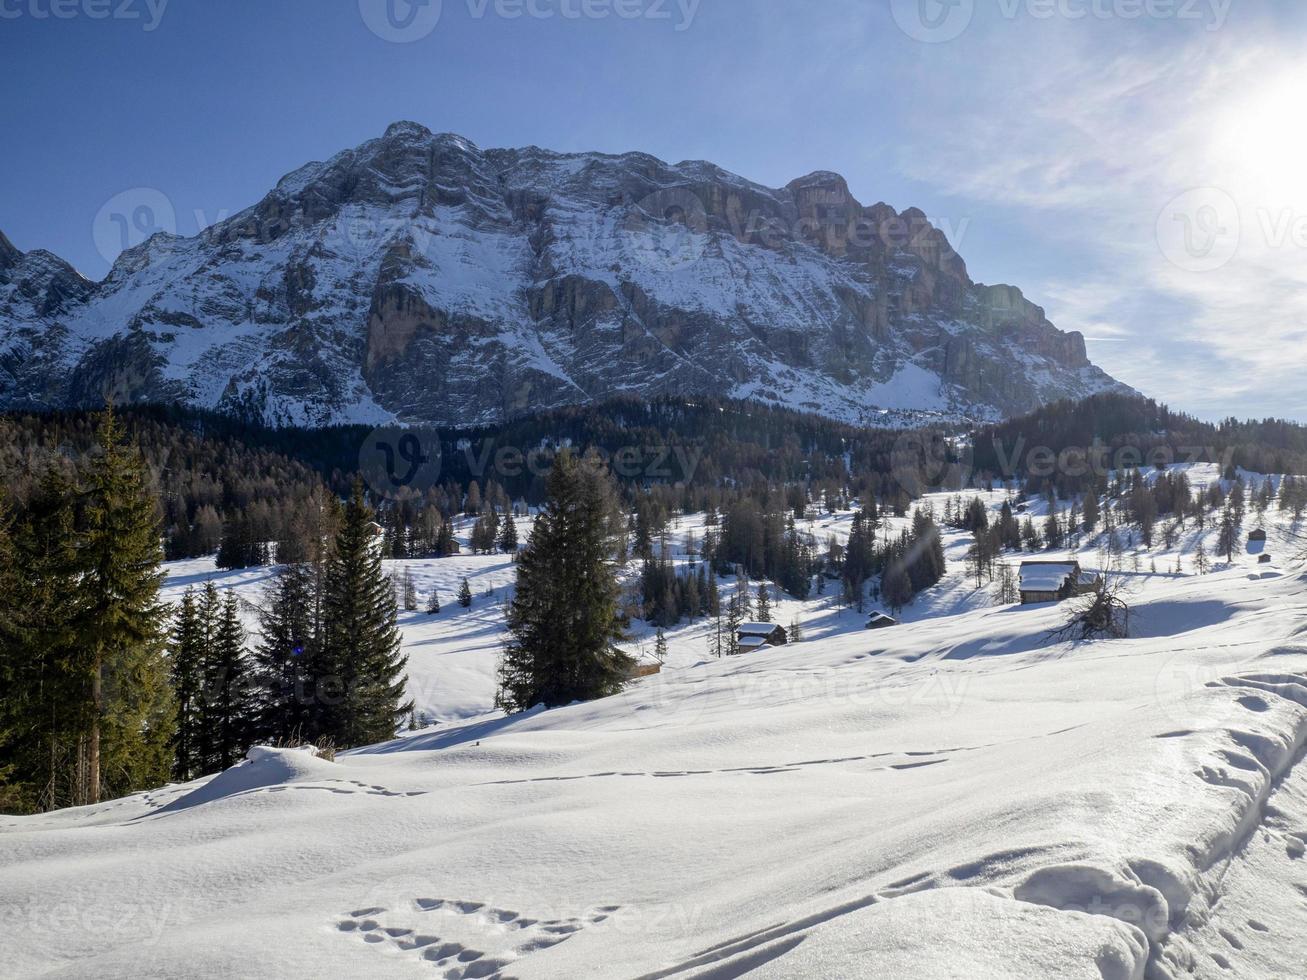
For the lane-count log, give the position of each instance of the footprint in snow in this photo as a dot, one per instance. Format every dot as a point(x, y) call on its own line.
point(511, 934)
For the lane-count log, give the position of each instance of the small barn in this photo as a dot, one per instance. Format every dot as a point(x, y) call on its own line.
point(754, 636)
point(1053, 581)
point(644, 668)
point(878, 621)
point(1258, 535)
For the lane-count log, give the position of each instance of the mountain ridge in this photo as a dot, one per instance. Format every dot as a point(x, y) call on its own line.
point(419, 278)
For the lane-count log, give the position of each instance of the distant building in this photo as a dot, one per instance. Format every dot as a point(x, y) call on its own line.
point(1258, 535)
point(754, 636)
point(644, 668)
point(1264, 560)
point(1053, 581)
point(878, 621)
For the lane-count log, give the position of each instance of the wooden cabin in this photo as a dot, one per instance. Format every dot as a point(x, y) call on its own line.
point(1258, 535)
point(644, 668)
point(879, 621)
point(754, 636)
point(1053, 581)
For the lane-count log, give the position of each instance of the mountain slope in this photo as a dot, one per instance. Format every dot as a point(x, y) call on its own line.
point(957, 796)
point(421, 278)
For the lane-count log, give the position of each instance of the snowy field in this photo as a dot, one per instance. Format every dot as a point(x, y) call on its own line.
point(953, 797)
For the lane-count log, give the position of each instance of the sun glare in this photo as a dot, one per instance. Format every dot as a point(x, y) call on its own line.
point(1263, 143)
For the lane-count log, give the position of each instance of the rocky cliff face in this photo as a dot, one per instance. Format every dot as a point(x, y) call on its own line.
point(420, 278)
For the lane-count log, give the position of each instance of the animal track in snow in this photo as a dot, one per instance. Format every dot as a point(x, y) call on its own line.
point(466, 929)
point(343, 787)
point(759, 770)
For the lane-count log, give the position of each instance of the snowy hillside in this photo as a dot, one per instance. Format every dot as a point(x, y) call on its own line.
point(422, 278)
point(955, 796)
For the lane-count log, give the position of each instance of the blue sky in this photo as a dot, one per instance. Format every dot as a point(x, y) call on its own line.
point(1138, 167)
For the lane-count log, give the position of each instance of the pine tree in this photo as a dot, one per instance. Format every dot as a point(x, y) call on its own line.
point(286, 660)
point(897, 587)
point(40, 595)
point(12, 788)
point(563, 623)
point(361, 683)
point(796, 630)
point(228, 703)
point(127, 711)
point(508, 534)
point(1228, 533)
point(187, 673)
point(433, 603)
point(764, 603)
point(465, 595)
point(660, 647)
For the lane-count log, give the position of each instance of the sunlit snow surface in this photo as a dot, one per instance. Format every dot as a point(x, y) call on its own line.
point(951, 797)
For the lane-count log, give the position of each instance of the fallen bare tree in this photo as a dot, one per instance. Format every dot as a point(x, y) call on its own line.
point(1101, 614)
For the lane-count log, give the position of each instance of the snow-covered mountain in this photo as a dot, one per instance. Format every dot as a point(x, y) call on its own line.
point(418, 277)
